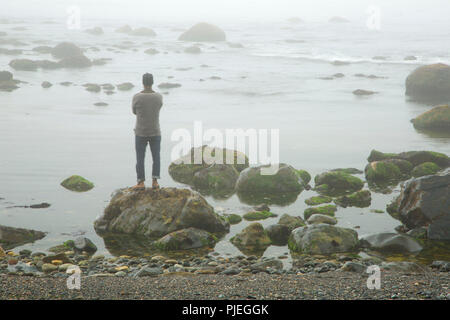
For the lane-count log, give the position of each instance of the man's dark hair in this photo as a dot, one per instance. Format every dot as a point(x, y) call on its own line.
point(147, 79)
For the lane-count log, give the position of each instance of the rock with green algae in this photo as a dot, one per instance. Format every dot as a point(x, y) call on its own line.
point(425, 169)
point(436, 119)
point(11, 237)
point(389, 171)
point(360, 199)
point(291, 222)
point(321, 218)
point(252, 239)
point(328, 210)
point(316, 200)
point(323, 239)
point(216, 179)
point(77, 183)
point(258, 215)
point(429, 84)
point(414, 157)
point(233, 218)
point(334, 183)
point(154, 213)
point(278, 234)
point(185, 239)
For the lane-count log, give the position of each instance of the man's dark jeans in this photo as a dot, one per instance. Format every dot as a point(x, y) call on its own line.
point(155, 148)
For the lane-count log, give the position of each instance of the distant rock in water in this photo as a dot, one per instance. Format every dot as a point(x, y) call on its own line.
point(151, 51)
point(168, 85)
point(414, 157)
point(336, 183)
point(97, 31)
point(361, 92)
point(193, 50)
point(66, 50)
point(24, 65)
point(436, 119)
point(124, 29)
point(13, 237)
point(80, 61)
point(203, 32)
point(174, 216)
point(143, 32)
point(7, 83)
point(338, 20)
point(295, 20)
point(410, 58)
point(425, 202)
point(429, 84)
point(77, 183)
point(125, 86)
point(43, 49)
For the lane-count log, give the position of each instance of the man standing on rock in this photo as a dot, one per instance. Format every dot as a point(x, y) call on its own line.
point(146, 106)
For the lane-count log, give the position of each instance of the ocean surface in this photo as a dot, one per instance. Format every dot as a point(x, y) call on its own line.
point(272, 82)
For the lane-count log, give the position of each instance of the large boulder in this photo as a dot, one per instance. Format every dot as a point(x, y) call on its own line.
point(414, 157)
point(7, 83)
point(77, 183)
point(278, 234)
point(429, 84)
point(323, 239)
point(207, 167)
point(66, 50)
point(189, 238)
point(253, 184)
point(252, 239)
point(203, 32)
point(335, 183)
point(291, 222)
point(154, 214)
point(391, 243)
point(425, 201)
point(436, 119)
point(13, 237)
point(389, 171)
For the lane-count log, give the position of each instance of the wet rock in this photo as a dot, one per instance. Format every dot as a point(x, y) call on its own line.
point(295, 20)
point(328, 210)
point(278, 234)
point(361, 92)
point(155, 213)
point(235, 45)
point(125, 86)
point(443, 266)
point(5, 76)
point(80, 61)
point(391, 243)
point(333, 183)
point(233, 218)
point(203, 32)
point(96, 31)
point(424, 202)
point(217, 179)
point(258, 215)
point(189, 238)
point(323, 239)
point(92, 87)
point(66, 50)
point(252, 239)
point(263, 266)
point(168, 85)
point(24, 64)
point(46, 84)
point(59, 257)
point(360, 199)
point(410, 58)
point(124, 29)
point(253, 182)
point(316, 200)
point(82, 244)
point(151, 51)
point(7, 83)
point(414, 157)
point(100, 104)
point(429, 84)
point(389, 171)
point(425, 169)
point(43, 49)
point(350, 266)
point(10, 52)
point(77, 183)
point(436, 119)
point(149, 272)
point(321, 218)
point(13, 237)
point(48, 267)
point(193, 50)
point(143, 32)
point(291, 222)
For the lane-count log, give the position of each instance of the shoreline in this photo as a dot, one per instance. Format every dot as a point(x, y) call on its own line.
point(334, 285)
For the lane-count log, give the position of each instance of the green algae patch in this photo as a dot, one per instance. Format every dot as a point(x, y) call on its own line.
point(304, 175)
point(258, 215)
point(233, 218)
point(360, 199)
point(328, 210)
point(425, 169)
point(316, 200)
point(335, 183)
point(77, 183)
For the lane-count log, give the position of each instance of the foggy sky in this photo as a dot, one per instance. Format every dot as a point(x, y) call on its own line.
point(420, 10)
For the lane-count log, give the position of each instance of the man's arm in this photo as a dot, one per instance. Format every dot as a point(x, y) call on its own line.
point(133, 104)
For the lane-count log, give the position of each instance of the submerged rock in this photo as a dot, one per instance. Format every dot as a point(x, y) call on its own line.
point(80, 61)
point(66, 50)
point(436, 119)
point(13, 237)
point(189, 238)
point(77, 183)
point(328, 210)
point(361, 92)
point(425, 201)
point(203, 32)
point(168, 85)
point(360, 199)
point(414, 157)
point(7, 83)
point(153, 214)
point(46, 84)
point(97, 31)
point(143, 32)
point(333, 183)
point(291, 222)
point(193, 49)
point(429, 84)
point(24, 64)
point(391, 243)
point(258, 215)
point(316, 200)
point(323, 239)
point(125, 86)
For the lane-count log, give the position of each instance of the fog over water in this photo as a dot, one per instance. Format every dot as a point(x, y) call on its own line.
point(276, 80)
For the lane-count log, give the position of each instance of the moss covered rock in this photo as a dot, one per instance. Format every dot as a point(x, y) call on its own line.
point(414, 157)
point(321, 218)
point(323, 239)
point(429, 84)
point(436, 119)
point(189, 238)
point(291, 221)
point(252, 239)
point(388, 171)
point(233, 218)
point(425, 169)
point(334, 183)
point(77, 183)
point(328, 210)
point(11, 237)
point(316, 200)
point(216, 179)
point(258, 215)
point(360, 199)
point(252, 183)
point(278, 234)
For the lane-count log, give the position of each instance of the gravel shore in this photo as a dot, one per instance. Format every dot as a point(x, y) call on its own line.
point(332, 285)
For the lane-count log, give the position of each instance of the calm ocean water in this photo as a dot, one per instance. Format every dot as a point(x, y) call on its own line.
point(273, 82)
